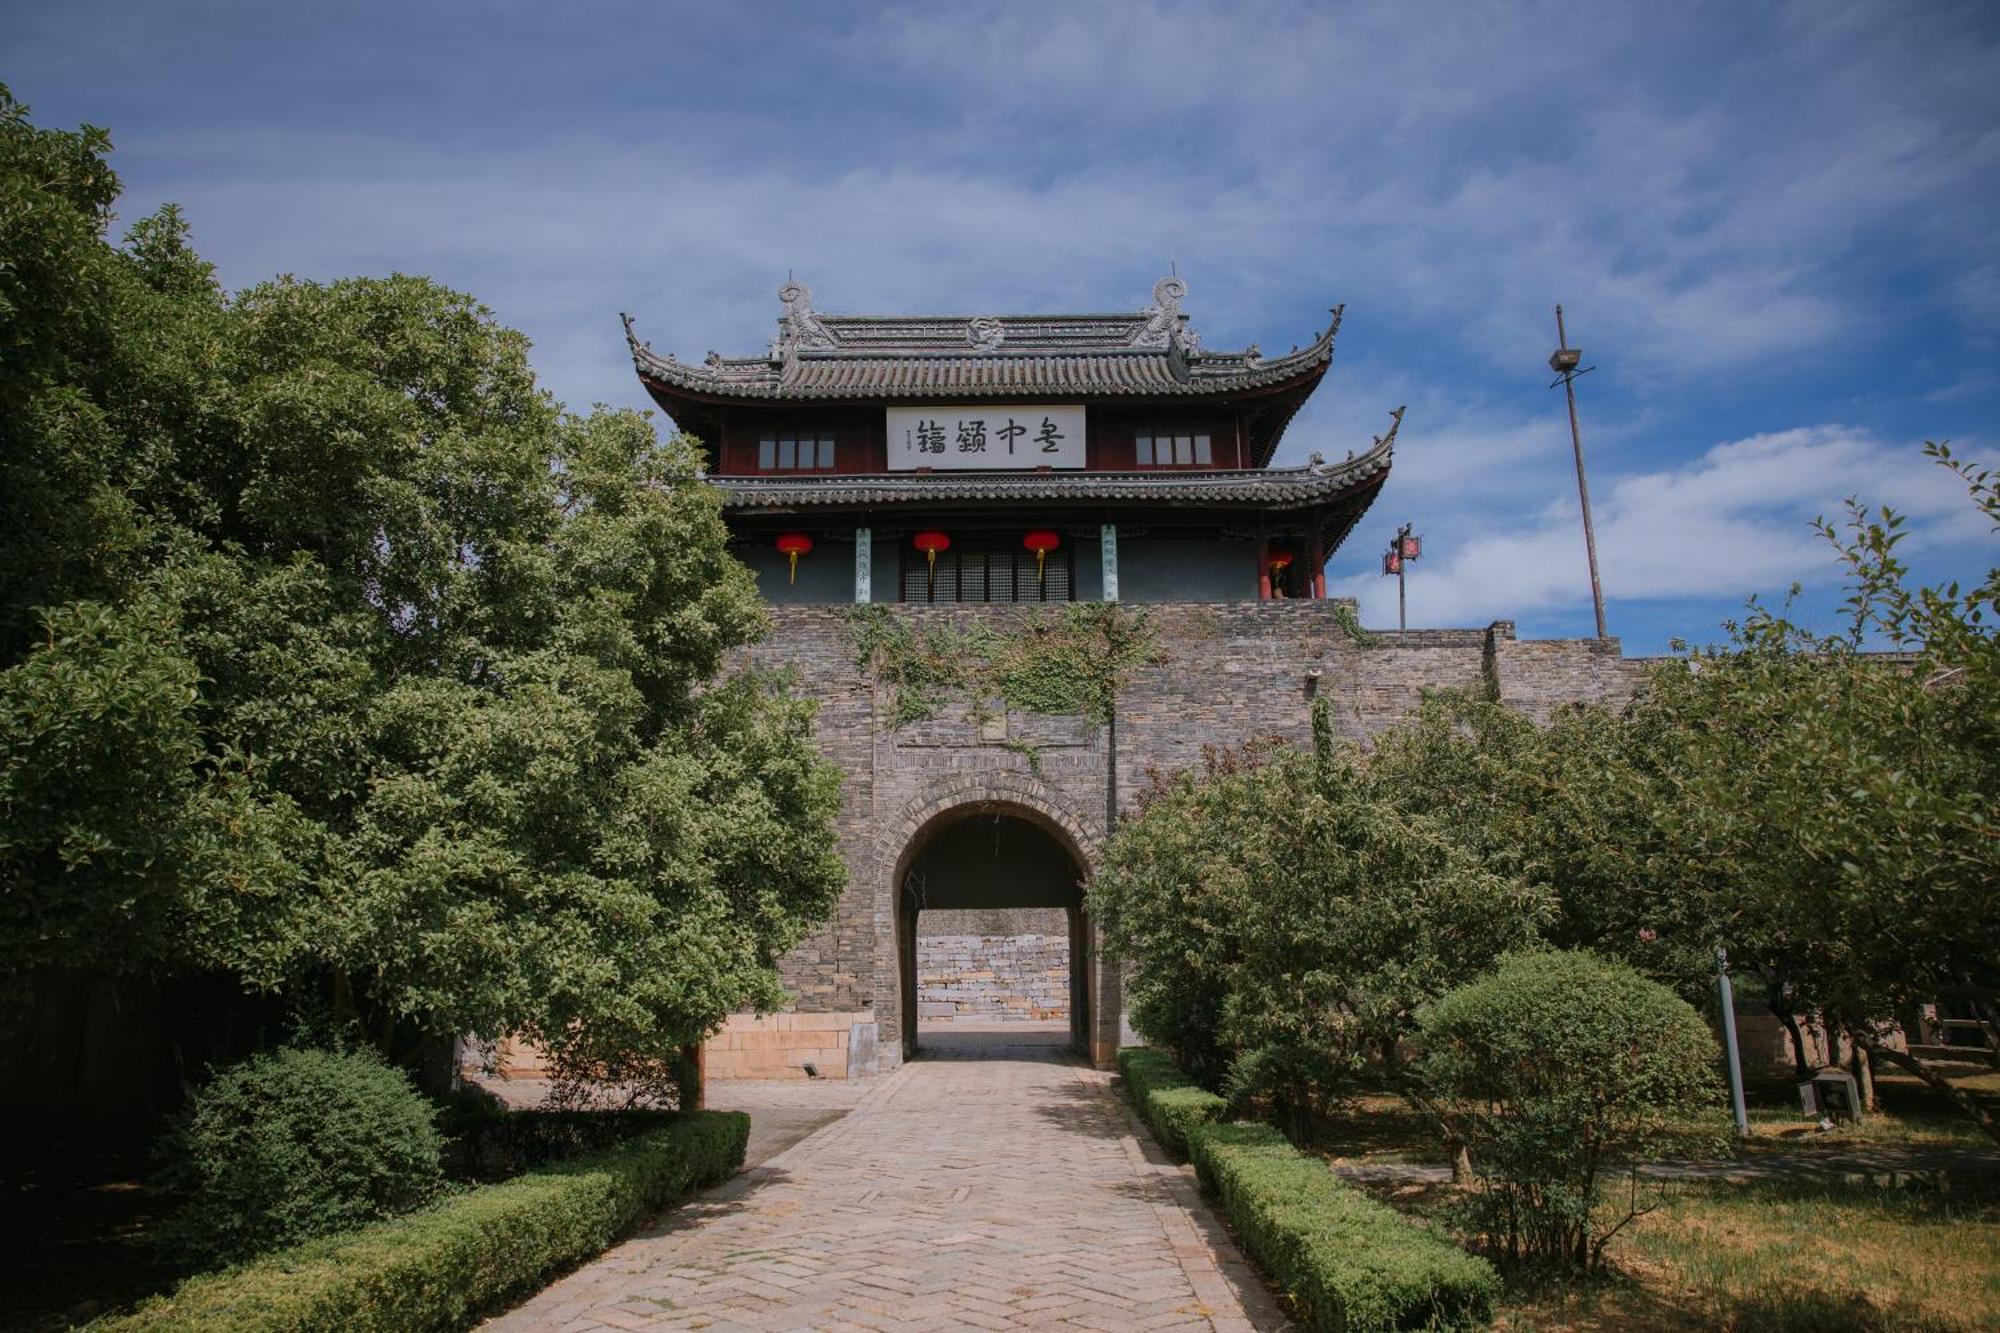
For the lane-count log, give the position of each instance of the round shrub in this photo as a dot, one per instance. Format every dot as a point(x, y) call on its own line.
point(1553, 1068)
point(293, 1144)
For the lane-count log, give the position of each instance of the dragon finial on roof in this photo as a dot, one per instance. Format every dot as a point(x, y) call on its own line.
point(799, 328)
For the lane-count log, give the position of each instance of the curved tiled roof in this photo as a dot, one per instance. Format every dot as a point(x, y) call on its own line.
point(1266, 488)
point(1148, 353)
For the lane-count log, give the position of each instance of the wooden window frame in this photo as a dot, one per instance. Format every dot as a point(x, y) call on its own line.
point(1199, 440)
point(771, 448)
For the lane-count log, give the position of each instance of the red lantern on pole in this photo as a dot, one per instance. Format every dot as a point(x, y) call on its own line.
point(1041, 541)
point(930, 543)
point(795, 544)
point(1404, 547)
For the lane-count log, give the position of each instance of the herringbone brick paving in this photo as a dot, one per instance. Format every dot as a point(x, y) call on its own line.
point(960, 1193)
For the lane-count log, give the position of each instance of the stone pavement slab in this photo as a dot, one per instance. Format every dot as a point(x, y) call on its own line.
point(960, 1192)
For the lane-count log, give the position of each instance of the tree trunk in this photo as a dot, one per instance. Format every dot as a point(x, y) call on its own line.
point(1461, 1167)
point(1864, 1076)
point(1800, 1065)
point(341, 1000)
point(1984, 1009)
point(1959, 1097)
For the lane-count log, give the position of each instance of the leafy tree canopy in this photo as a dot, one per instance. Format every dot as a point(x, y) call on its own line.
point(1285, 922)
point(1826, 813)
point(337, 656)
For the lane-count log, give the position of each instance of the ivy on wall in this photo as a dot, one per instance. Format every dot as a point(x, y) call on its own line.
point(1345, 617)
point(1069, 661)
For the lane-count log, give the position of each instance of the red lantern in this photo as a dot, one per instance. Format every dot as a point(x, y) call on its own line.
point(930, 543)
point(1041, 542)
point(1391, 563)
point(795, 544)
point(1413, 546)
point(1278, 561)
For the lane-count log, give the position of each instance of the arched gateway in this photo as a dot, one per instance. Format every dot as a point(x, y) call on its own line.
point(995, 856)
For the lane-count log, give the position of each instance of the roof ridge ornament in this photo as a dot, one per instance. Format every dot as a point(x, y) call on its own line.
point(985, 333)
point(1395, 424)
point(1165, 326)
point(632, 339)
point(799, 329)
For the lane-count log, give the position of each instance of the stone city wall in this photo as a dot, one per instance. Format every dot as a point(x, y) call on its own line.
point(1225, 673)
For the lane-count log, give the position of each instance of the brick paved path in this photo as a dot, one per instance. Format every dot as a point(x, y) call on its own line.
point(1010, 1192)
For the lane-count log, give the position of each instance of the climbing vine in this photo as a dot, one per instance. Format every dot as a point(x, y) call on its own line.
point(1345, 617)
point(1068, 661)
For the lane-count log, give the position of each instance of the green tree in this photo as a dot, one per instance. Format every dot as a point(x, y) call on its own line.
point(1825, 812)
point(340, 659)
point(1554, 1069)
point(1597, 806)
point(1572, 806)
point(1853, 801)
point(1285, 925)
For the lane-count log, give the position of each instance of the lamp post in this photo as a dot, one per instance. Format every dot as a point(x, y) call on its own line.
point(1564, 361)
point(1726, 994)
point(1404, 547)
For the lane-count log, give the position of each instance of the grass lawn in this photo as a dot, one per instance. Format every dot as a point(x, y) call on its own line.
point(1779, 1256)
point(1377, 1127)
point(1911, 1115)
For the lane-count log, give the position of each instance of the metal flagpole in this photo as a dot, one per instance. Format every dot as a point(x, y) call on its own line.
point(1564, 362)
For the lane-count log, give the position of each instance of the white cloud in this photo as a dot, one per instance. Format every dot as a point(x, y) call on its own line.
point(1698, 208)
point(1732, 523)
point(1728, 205)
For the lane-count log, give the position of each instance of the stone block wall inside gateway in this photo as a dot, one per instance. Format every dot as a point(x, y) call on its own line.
point(999, 965)
point(1041, 791)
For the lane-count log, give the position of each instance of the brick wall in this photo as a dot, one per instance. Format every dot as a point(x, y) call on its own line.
point(1226, 673)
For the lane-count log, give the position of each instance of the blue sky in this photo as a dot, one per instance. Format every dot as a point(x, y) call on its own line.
point(1775, 228)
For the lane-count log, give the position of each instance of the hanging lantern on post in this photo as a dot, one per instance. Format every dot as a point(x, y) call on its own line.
point(795, 544)
point(1404, 547)
point(1041, 542)
point(930, 543)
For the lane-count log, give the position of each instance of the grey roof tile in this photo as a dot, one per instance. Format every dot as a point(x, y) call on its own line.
point(1147, 353)
point(1270, 488)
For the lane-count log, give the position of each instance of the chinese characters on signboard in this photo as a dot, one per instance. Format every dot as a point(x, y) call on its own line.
point(1006, 436)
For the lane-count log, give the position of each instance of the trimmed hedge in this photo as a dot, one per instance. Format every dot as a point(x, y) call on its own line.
point(1348, 1262)
point(1171, 1102)
point(439, 1268)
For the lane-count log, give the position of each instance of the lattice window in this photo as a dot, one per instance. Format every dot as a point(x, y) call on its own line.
point(1182, 447)
point(988, 572)
point(795, 453)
